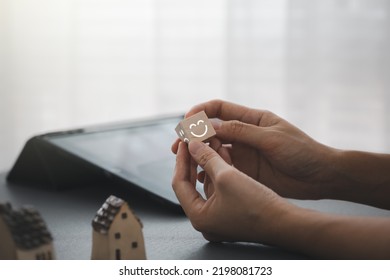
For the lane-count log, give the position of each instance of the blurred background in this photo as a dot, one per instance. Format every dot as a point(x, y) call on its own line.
point(323, 65)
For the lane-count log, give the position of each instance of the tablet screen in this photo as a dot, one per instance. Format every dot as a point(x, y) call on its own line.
point(139, 153)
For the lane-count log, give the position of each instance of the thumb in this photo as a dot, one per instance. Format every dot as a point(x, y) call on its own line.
point(207, 158)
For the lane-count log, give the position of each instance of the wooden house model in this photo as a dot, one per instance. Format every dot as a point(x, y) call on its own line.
point(24, 235)
point(117, 232)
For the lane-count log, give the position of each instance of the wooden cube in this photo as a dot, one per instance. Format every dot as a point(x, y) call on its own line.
point(195, 128)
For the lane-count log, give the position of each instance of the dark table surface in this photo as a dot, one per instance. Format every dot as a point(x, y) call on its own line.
point(168, 234)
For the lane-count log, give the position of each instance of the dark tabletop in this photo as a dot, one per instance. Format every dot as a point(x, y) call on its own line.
point(168, 234)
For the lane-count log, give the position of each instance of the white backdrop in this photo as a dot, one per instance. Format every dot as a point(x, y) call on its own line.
point(323, 65)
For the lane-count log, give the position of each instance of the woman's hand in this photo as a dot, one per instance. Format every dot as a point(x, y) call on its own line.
point(255, 150)
point(236, 207)
point(271, 150)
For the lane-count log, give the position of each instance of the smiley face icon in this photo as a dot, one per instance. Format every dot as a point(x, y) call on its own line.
point(199, 127)
point(195, 128)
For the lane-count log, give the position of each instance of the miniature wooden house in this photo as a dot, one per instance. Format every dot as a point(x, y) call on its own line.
point(117, 232)
point(24, 235)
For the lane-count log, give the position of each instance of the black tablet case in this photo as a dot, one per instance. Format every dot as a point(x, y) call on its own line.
point(43, 164)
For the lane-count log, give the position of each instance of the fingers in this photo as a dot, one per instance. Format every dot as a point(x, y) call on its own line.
point(223, 151)
point(184, 180)
point(208, 185)
point(238, 123)
point(208, 159)
point(175, 146)
point(237, 131)
point(216, 145)
point(230, 132)
point(229, 111)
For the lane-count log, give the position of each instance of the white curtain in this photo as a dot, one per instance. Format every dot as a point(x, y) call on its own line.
point(324, 65)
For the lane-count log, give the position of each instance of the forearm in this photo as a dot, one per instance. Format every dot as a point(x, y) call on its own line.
point(333, 237)
point(360, 177)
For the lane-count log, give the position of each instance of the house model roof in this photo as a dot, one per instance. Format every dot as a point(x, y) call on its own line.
point(107, 213)
point(27, 227)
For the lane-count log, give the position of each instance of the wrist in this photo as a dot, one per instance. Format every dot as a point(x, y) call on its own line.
point(327, 175)
point(360, 177)
point(272, 226)
point(288, 224)
point(300, 230)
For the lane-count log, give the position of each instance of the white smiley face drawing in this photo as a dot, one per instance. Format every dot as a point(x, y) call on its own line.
point(193, 125)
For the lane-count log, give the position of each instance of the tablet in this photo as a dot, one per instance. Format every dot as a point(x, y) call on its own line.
point(137, 153)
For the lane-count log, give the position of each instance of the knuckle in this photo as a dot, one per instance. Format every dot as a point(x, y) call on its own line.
point(267, 118)
point(174, 183)
point(223, 177)
point(216, 101)
point(198, 224)
point(206, 156)
point(236, 127)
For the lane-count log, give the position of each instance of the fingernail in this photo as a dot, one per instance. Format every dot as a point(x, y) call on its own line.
point(216, 123)
point(195, 146)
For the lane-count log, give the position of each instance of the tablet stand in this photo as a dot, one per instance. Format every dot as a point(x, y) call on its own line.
point(44, 164)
